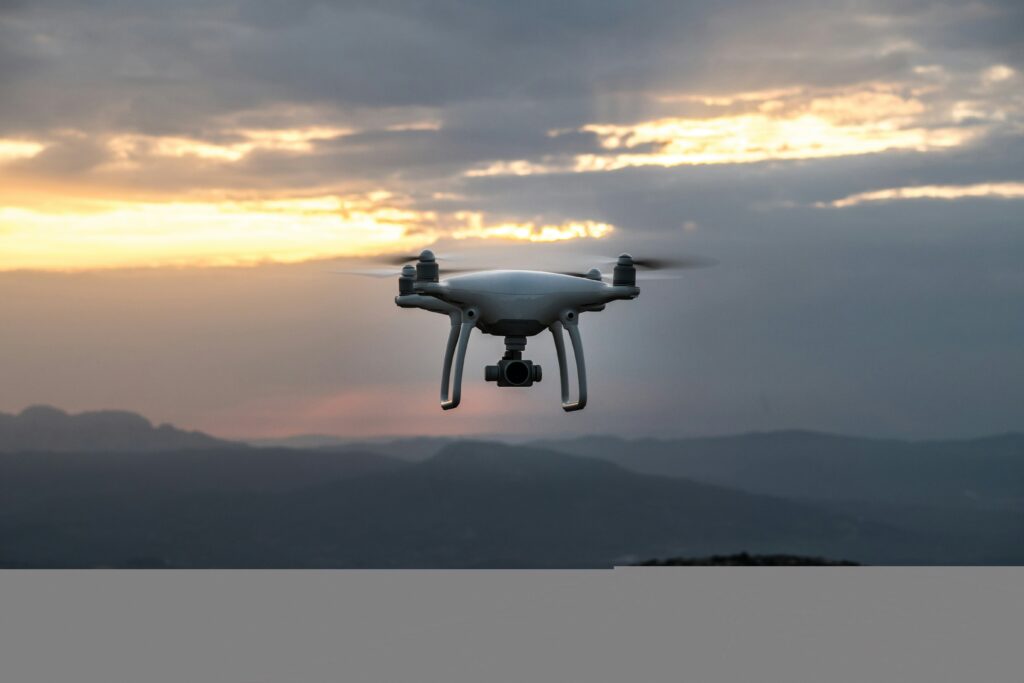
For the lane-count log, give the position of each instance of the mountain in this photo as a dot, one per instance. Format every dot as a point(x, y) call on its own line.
point(44, 428)
point(828, 467)
point(302, 441)
point(471, 505)
point(490, 505)
point(50, 478)
point(967, 495)
point(411, 449)
point(136, 510)
point(110, 489)
point(747, 560)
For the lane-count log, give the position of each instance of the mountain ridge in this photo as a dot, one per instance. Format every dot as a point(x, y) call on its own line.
point(50, 429)
point(471, 504)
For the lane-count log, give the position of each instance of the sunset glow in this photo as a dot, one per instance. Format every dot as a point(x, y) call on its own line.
point(245, 142)
point(213, 227)
point(529, 231)
point(763, 126)
point(18, 149)
point(111, 234)
point(119, 234)
point(259, 186)
point(997, 190)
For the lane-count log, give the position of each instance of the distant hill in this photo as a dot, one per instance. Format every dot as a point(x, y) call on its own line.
point(411, 449)
point(51, 478)
point(747, 560)
point(828, 467)
point(966, 495)
point(472, 505)
point(44, 428)
point(110, 489)
point(302, 441)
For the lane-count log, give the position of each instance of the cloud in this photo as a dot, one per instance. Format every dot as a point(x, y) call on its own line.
point(92, 234)
point(1009, 190)
point(11, 149)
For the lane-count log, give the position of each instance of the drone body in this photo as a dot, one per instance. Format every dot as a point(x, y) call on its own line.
point(514, 304)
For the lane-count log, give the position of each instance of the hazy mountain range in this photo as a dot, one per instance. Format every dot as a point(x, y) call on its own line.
point(74, 492)
point(44, 428)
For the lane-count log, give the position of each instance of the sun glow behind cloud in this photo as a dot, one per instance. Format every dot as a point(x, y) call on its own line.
point(177, 233)
point(475, 228)
point(95, 219)
point(1009, 190)
point(116, 213)
point(241, 143)
point(235, 232)
point(18, 149)
point(762, 126)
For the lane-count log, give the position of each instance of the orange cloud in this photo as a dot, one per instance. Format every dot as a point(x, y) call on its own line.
point(85, 234)
point(11, 149)
point(1011, 190)
point(475, 228)
point(770, 125)
point(128, 147)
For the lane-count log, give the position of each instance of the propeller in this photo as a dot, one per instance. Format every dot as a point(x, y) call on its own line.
point(661, 268)
point(368, 272)
point(391, 272)
point(401, 260)
point(663, 263)
point(397, 259)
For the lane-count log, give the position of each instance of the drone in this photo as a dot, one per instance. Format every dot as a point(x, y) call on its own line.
point(515, 304)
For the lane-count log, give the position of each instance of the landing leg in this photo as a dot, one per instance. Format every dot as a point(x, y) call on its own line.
point(569, 320)
point(458, 340)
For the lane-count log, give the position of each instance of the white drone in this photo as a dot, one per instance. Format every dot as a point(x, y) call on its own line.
point(515, 304)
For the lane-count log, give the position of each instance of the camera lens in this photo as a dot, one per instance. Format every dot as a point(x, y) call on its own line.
point(517, 372)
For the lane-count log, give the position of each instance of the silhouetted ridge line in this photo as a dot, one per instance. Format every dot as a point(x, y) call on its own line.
point(45, 428)
point(748, 560)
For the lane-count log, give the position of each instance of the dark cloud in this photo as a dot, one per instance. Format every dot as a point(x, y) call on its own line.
point(159, 67)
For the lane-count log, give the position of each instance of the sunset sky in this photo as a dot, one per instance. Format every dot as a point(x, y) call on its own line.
point(177, 179)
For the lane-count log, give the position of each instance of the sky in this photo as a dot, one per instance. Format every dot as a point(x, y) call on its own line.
point(178, 180)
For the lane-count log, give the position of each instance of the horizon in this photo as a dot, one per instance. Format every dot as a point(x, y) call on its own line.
point(509, 438)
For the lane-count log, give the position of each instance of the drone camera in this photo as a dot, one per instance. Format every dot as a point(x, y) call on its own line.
point(513, 372)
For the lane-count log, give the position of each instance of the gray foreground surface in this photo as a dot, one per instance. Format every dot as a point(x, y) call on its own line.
point(633, 624)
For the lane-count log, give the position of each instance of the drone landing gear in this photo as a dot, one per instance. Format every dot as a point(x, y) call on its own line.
point(463, 323)
point(569, 319)
point(512, 370)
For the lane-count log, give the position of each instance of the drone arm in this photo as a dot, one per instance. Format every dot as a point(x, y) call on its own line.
point(570, 322)
point(458, 340)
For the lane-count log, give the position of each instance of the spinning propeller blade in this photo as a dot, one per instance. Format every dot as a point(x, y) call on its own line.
point(660, 268)
point(663, 263)
point(368, 272)
point(391, 272)
point(402, 259)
